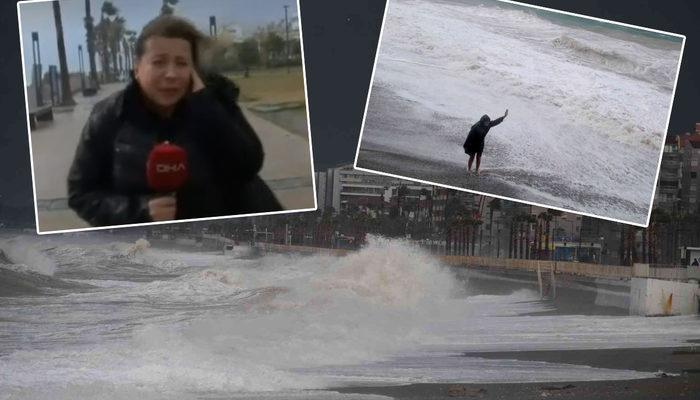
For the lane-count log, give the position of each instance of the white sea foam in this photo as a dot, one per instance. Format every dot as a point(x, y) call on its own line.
point(587, 108)
point(276, 326)
point(27, 254)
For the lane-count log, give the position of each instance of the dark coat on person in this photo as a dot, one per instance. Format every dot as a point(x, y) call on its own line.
point(475, 139)
point(107, 182)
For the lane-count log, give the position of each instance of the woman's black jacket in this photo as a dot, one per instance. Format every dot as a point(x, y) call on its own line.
point(107, 182)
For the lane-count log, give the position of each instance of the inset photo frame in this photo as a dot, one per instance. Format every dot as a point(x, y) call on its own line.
point(152, 111)
point(523, 103)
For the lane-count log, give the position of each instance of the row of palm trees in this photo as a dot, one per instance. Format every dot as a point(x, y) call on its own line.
point(660, 242)
point(525, 235)
point(462, 228)
point(109, 38)
point(528, 235)
point(112, 39)
point(522, 225)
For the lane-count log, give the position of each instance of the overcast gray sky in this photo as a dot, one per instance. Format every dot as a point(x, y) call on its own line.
point(38, 17)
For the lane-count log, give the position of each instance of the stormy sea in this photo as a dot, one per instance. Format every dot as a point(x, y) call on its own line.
point(119, 317)
point(588, 104)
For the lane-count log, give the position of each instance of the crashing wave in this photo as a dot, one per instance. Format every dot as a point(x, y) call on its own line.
point(615, 62)
point(25, 252)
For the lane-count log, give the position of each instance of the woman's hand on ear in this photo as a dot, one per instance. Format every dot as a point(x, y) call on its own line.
point(197, 83)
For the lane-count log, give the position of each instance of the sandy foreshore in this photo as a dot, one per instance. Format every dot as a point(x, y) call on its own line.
point(443, 173)
point(685, 387)
point(678, 377)
point(395, 124)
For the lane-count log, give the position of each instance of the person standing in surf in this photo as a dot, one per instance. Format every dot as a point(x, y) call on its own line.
point(474, 145)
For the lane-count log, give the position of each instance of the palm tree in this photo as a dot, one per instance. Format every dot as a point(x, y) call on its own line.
point(108, 31)
point(102, 46)
point(168, 7)
point(494, 205)
point(511, 237)
point(67, 95)
point(531, 219)
point(129, 44)
point(659, 218)
point(116, 34)
point(474, 224)
point(109, 9)
point(546, 217)
point(515, 247)
point(90, 35)
point(628, 244)
point(540, 244)
point(623, 247)
point(553, 214)
point(127, 54)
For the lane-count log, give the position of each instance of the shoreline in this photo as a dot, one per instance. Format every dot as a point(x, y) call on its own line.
point(678, 367)
point(639, 389)
point(678, 377)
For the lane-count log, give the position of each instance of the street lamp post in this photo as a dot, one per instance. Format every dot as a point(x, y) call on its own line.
point(36, 58)
point(212, 26)
point(286, 40)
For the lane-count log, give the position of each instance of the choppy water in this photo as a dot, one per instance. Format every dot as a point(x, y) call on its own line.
point(105, 319)
point(588, 104)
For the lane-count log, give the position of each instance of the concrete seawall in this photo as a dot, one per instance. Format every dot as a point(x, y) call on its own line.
point(651, 291)
point(559, 267)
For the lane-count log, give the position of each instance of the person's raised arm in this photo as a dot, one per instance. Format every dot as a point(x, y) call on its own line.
point(498, 120)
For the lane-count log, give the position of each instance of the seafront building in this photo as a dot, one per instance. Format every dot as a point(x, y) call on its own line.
point(678, 187)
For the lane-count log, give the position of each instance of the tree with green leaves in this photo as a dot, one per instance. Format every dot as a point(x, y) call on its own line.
point(274, 46)
point(248, 55)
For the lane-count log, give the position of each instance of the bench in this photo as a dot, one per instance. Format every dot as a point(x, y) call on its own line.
point(44, 113)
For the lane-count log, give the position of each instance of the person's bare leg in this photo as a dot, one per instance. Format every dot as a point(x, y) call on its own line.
point(469, 164)
point(478, 162)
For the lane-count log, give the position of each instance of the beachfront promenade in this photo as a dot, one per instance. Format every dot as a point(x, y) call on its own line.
point(652, 291)
point(287, 168)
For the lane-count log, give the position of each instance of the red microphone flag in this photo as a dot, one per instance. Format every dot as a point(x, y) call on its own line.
point(166, 169)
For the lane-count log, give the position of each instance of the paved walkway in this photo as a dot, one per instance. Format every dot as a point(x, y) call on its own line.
point(287, 167)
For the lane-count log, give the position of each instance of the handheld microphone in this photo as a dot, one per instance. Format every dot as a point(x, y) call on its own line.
point(166, 169)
